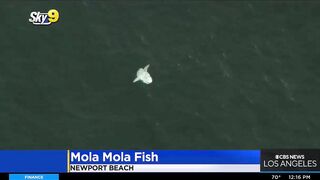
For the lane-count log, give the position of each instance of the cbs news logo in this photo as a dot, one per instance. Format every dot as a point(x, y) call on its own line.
point(38, 18)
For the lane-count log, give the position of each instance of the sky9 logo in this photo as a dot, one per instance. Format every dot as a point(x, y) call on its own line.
point(38, 18)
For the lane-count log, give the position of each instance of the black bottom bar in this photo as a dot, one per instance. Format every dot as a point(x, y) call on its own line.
point(196, 176)
point(4, 176)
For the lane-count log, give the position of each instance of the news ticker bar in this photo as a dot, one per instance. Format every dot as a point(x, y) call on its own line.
point(102, 161)
point(93, 176)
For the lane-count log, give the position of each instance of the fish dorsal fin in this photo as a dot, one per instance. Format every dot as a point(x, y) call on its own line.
point(146, 68)
point(136, 79)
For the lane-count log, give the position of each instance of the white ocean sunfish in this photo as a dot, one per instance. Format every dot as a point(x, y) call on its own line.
point(143, 75)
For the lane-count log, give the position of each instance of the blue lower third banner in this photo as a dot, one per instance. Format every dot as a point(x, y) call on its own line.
point(33, 161)
point(73, 161)
point(164, 161)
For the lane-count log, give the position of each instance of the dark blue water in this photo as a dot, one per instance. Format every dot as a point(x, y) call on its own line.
point(238, 75)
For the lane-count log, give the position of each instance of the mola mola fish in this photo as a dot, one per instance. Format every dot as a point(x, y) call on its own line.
point(143, 75)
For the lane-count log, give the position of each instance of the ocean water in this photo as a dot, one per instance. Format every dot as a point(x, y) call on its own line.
point(227, 75)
